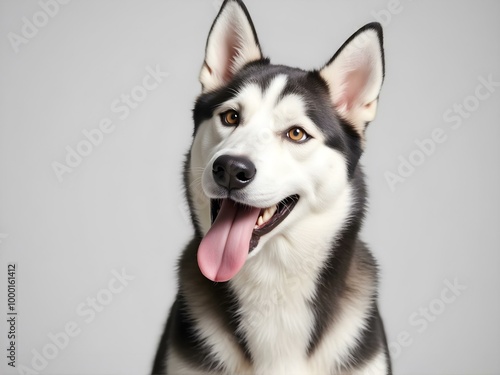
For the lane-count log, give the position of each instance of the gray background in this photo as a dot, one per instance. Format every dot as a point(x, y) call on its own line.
point(122, 207)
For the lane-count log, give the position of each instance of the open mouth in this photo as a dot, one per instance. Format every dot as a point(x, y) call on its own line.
point(235, 232)
point(268, 219)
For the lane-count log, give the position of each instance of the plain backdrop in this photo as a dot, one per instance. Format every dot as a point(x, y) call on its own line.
point(121, 208)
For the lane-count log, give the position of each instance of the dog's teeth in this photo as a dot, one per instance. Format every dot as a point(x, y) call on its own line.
point(272, 211)
point(268, 213)
point(265, 216)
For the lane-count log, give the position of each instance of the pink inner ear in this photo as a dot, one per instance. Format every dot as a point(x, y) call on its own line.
point(232, 50)
point(354, 84)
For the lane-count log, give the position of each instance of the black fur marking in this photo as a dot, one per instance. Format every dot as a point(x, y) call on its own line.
point(332, 281)
point(207, 103)
point(185, 340)
point(374, 340)
point(339, 134)
point(181, 329)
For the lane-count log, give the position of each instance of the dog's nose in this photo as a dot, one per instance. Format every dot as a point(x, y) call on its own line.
point(233, 172)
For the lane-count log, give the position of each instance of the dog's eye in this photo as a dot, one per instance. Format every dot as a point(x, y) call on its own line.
point(230, 118)
point(297, 135)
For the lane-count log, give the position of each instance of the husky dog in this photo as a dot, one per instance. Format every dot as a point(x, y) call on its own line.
point(276, 280)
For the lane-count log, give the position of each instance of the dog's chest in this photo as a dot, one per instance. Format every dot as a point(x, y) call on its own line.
point(276, 320)
point(277, 330)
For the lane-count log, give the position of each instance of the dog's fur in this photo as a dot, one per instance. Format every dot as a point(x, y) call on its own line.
point(304, 302)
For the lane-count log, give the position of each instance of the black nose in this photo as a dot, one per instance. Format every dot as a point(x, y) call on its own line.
point(233, 172)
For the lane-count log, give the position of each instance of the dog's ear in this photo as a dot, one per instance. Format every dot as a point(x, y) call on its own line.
point(354, 76)
point(231, 44)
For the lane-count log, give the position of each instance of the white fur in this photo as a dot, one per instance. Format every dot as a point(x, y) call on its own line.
point(175, 365)
point(279, 279)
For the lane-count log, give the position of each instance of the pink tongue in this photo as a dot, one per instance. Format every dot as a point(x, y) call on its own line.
point(224, 248)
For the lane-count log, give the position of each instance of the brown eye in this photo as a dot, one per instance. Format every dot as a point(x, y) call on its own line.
point(297, 135)
point(230, 118)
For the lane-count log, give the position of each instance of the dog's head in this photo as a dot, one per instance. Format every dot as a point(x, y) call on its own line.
point(274, 147)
